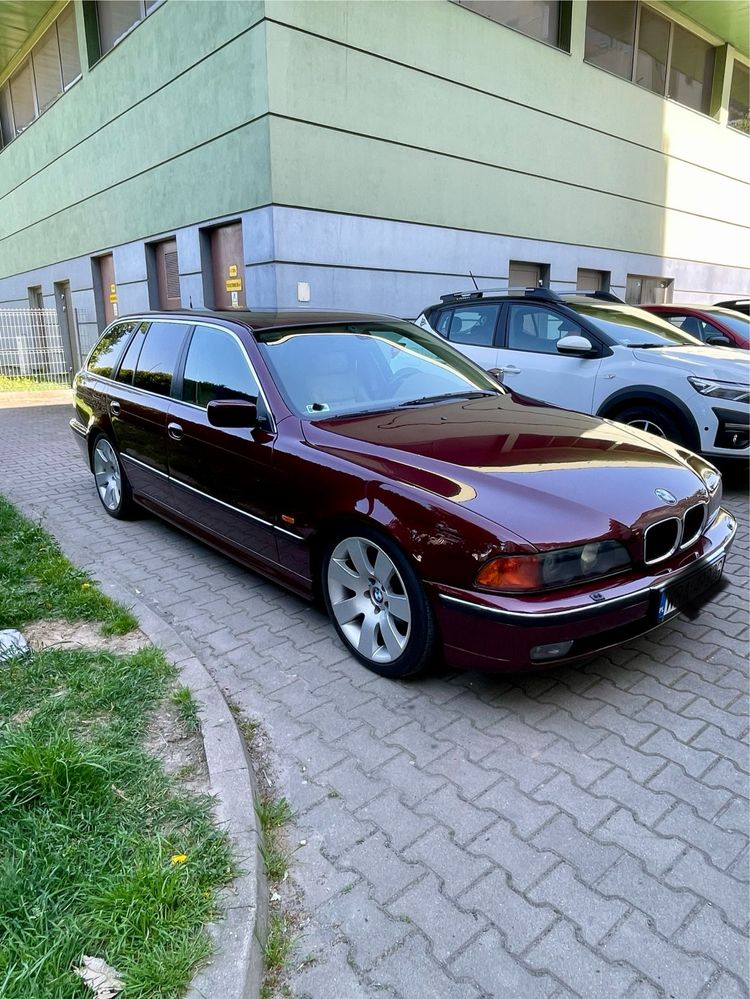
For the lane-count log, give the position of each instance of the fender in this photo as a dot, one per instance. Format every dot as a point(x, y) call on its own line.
point(647, 393)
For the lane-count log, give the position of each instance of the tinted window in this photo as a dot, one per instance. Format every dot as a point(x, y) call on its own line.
point(158, 357)
point(471, 324)
point(610, 35)
point(531, 327)
point(128, 363)
point(216, 368)
point(105, 355)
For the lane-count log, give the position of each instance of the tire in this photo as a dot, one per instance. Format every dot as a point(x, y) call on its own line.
point(112, 486)
point(377, 603)
point(654, 420)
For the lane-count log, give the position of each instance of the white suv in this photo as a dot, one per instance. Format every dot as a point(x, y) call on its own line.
point(595, 354)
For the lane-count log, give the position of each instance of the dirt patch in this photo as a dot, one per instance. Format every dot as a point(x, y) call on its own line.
point(81, 635)
point(179, 751)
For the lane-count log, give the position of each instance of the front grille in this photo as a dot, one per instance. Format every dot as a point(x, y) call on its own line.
point(661, 539)
point(692, 524)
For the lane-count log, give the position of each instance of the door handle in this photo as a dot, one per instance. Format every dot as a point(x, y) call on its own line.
point(510, 369)
point(175, 431)
point(114, 408)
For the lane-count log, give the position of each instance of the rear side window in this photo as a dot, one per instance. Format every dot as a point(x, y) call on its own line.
point(470, 324)
point(106, 353)
point(130, 357)
point(216, 368)
point(158, 357)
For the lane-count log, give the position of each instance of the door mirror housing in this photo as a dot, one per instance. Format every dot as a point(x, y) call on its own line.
point(718, 340)
point(233, 413)
point(576, 345)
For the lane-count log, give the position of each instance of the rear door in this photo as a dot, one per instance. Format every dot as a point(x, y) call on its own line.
point(223, 478)
point(139, 404)
point(532, 365)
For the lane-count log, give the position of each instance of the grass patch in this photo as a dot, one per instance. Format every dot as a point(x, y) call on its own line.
point(37, 581)
point(24, 384)
point(185, 703)
point(101, 851)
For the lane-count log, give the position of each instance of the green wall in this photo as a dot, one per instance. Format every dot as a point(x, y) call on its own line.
point(146, 141)
point(427, 112)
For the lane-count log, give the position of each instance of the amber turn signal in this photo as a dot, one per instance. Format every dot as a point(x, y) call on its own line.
point(511, 572)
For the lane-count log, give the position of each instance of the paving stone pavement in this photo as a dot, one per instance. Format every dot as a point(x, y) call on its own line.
point(582, 832)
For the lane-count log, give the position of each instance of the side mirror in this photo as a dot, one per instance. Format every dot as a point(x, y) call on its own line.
point(235, 413)
point(576, 345)
point(718, 340)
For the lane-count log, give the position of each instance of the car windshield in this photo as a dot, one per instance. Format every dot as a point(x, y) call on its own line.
point(325, 371)
point(737, 324)
point(634, 327)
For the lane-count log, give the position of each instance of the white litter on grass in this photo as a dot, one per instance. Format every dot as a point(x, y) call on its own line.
point(12, 644)
point(103, 980)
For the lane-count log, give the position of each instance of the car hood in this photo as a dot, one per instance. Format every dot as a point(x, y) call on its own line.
point(548, 475)
point(706, 362)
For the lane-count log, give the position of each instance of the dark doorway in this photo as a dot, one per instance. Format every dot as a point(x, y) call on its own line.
point(167, 275)
point(228, 266)
point(68, 329)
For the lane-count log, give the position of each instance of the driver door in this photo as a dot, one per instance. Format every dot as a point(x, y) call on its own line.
point(532, 365)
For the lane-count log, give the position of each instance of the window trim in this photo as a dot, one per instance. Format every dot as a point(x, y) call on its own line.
point(145, 14)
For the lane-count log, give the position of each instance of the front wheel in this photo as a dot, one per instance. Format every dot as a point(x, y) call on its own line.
point(112, 485)
point(654, 421)
point(377, 604)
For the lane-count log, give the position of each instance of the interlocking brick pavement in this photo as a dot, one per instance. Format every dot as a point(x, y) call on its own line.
point(581, 832)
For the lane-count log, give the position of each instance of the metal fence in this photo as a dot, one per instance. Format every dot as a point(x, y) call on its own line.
point(31, 346)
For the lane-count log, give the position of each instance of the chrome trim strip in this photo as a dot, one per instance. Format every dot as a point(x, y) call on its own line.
point(213, 499)
point(184, 321)
point(541, 616)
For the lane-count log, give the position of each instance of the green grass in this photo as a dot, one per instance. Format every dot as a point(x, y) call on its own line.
point(183, 699)
point(101, 853)
point(37, 581)
point(21, 384)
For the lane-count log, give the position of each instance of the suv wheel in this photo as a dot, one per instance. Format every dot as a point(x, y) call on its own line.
point(653, 420)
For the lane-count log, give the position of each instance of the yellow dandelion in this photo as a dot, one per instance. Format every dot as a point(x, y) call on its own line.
point(179, 858)
point(85, 586)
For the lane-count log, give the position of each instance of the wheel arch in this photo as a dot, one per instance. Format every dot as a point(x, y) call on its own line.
point(638, 394)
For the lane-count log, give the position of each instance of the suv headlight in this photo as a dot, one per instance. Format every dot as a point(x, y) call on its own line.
point(560, 567)
point(734, 391)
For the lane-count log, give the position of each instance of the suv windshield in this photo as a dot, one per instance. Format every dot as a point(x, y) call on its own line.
point(325, 371)
point(738, 324)
point(634, 327)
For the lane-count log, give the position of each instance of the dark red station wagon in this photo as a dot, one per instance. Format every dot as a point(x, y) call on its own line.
point(363, 460)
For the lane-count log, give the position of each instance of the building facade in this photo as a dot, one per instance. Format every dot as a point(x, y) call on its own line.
point(368, 155)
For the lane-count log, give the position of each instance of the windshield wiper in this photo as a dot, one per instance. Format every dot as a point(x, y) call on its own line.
point(444, 396)
point(652, 346)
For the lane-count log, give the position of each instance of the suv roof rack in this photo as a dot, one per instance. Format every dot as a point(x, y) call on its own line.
point(545, 294)
point(604, 296)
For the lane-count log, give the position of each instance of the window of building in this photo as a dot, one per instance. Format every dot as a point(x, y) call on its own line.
point(634, 42)
point(167, 268)
point(51, 67)
point(535, 18)
point(591, 280)
point(116, 18)
point(522, 274)
point(739, 97)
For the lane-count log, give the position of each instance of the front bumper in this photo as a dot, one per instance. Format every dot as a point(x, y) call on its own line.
point(499, 632)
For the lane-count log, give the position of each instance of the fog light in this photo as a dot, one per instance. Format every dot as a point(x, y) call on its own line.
point(542, 653)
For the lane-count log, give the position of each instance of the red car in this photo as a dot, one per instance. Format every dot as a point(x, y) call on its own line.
point(365, 460)
point(709, 323)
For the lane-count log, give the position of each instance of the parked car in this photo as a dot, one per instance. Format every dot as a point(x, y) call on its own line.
point(593, 353)
point(364, 459)
point(708, 323)
point(736, 305)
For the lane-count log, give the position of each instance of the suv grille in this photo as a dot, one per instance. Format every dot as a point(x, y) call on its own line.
point(662, 539)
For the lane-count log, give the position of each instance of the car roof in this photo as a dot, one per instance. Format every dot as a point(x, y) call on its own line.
point(269, 318)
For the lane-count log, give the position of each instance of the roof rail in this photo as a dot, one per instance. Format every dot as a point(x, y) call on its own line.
point(545, 294)
point(604, 296)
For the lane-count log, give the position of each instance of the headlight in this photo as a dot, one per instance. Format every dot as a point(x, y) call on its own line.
point(734, 391)
point(545, 570)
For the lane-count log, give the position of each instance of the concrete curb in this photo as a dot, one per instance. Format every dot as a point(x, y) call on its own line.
point(236, 968)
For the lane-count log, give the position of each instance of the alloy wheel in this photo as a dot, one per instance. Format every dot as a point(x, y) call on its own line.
point(107, 474)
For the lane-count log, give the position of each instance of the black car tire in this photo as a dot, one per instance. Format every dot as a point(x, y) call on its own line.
point(363, 570)
point(644, 416)
point(105, 461)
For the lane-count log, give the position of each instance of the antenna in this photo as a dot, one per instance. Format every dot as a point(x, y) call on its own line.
point(191, 301)
point(474, 280)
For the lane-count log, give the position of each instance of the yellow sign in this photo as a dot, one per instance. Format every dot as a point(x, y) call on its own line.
point(113, 289)
point(235, 285)
point(113, 297)
point(233, 270)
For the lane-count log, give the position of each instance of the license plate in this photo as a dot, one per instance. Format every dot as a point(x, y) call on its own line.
point(684, 594)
